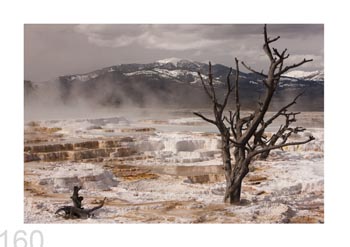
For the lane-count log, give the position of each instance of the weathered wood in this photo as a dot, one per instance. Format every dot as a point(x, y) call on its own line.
point(77, 211)
point(76, 198)
point(244, 134)
point(72, 212)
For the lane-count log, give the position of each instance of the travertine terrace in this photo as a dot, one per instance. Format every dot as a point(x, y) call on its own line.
point(164, 170)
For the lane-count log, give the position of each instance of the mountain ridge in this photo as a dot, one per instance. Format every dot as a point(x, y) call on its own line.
point(176, 63)
point(174, 82)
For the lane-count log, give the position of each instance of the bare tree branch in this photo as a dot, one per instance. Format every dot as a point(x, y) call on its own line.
point(210, 78)
point(293, 66)
point(205, 118)
point(284, 108)
point(229, 90)
point(238, 106)
point(232, 124)
point(280, 55)
point(205, 87)
point(256, 152)
point(236, 144)
point(266, 46)
point(254, 71)
point(272, 40)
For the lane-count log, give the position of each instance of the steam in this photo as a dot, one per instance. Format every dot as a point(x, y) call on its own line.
point(108, 97)
point(56, 100)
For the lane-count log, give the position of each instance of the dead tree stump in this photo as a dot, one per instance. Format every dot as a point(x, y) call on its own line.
point(77, 211)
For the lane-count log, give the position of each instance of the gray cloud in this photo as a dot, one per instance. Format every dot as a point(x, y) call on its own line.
point(52, 50)
point(167, 37)
point(186, 36)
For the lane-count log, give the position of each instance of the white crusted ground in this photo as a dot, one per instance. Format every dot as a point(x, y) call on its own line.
point(288, 187)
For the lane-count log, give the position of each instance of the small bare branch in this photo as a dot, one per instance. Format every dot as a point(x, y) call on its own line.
point(229, 87)
point(283, 55)
point(281, 111)
point(273, 40)
point(232, 124)
point(293, 66)
point(229, 90)
point(275, 51)
point(266, 46)
point(238, 105)
point(280, 55)
point(298, 129)
point(269, 148)
point(210, 77)
point(236, 144)
point(205, 86)
point(254, 71)
point(205, 118)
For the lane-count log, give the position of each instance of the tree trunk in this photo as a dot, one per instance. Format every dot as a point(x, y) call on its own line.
point(233, 193)
point(234, 184)
point(225, 154)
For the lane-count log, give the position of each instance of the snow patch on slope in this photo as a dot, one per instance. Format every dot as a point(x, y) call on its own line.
point(306, 75)
point(175, 73)
point(84, 77)
point(173, 60)
point(141, 72)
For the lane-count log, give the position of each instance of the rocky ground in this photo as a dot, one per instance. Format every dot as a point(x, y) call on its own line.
point(164, 170)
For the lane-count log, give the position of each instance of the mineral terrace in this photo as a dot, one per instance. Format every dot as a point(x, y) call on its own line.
point(164, 170)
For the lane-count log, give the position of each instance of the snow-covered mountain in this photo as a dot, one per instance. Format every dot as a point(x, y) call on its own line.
point(306, 75)
point(186, 71)
point(174, 81)
point(180, 70)
point(173, 60)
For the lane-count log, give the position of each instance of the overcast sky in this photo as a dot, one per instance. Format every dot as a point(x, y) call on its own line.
point(52, 50)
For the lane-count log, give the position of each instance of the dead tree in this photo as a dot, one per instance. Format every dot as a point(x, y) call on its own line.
point(246, 135)
point(77, 211)
point(76, 198)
